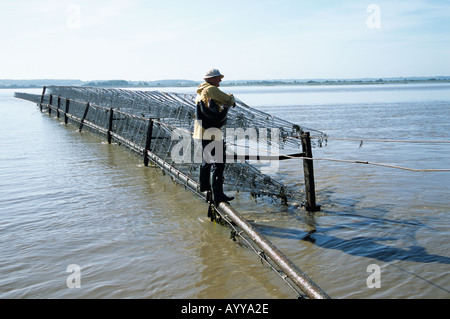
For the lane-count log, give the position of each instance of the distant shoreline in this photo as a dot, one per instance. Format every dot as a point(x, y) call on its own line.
point(16, 84)
point(335, 82)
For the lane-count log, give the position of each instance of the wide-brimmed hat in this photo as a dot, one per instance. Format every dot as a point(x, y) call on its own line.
point(212, 73)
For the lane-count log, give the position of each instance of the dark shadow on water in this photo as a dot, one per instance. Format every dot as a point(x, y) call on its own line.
point(362, 246)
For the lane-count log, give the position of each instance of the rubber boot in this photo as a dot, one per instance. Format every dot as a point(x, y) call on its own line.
point(217, 190)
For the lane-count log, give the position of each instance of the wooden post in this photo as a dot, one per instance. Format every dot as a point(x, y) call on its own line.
point(42, 97)
point(84, 117)
point(110, 124)
point(148, 140)
point(58, 106)
point(308, 170)
point(67, 111)
point(50, 104)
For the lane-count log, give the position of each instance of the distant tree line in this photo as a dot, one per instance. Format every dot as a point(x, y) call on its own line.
point(12, 84)
point(114, 83)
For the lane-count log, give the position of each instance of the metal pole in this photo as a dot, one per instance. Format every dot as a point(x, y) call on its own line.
point(148, 140)
point(66, 111)
point(84, 117)
point(110, 124)
point(42, 97)
point(50, 104)
point(295, 274)
point(308, 170)
point(59, 104)
point(180, 176)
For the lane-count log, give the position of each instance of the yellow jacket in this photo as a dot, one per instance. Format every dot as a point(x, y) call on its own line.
point(206, 92)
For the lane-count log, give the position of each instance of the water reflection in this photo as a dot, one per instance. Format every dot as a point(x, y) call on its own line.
point(362, 246)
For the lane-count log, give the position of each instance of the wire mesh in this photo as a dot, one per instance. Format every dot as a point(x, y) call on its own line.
point(173, 123)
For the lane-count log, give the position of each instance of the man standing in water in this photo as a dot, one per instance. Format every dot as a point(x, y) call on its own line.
point(212, 109)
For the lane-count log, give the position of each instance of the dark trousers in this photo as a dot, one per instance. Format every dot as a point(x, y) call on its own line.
point(213, 166)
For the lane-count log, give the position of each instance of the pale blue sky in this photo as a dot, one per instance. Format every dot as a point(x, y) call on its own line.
point(264, 39)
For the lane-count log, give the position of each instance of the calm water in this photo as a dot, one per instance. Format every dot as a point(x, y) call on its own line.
point(70, 198)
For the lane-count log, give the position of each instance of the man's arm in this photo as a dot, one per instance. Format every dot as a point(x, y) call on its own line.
point(220, 97)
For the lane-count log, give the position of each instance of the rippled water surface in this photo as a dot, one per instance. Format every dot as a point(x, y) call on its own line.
point(70, 198)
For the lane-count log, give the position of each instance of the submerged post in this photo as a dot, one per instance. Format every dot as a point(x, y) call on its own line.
point(50, 104)
point(148, 140)
point(84, 116)
point(308, 170)
point(58, 106)
point(42, 97)
point(66, 111)
point(110, 124)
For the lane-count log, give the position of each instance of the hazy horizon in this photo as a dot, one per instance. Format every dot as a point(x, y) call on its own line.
point(238, 80)
point(139, 40)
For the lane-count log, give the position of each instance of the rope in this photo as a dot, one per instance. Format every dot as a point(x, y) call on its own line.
point(356, 162)
point(379, 164)
point(376, 140)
